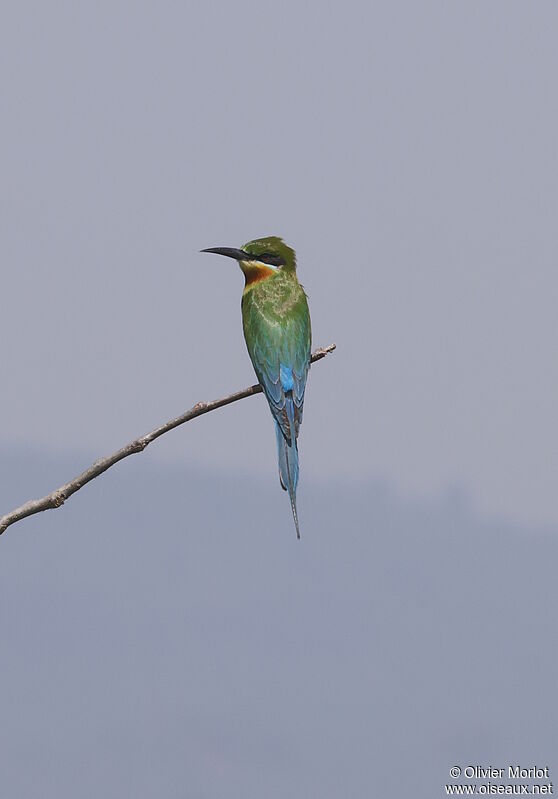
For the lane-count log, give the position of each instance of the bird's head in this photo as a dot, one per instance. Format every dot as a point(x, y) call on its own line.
point(268, 254)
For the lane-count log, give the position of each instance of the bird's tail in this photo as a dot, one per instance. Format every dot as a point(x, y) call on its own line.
point(288, 468)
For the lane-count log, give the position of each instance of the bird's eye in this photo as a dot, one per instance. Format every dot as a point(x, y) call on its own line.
point(271, 259)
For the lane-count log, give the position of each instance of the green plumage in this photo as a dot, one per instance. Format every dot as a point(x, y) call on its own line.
point(276, 325)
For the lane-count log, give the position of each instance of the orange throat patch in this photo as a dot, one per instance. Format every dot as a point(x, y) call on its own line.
point(254, 271)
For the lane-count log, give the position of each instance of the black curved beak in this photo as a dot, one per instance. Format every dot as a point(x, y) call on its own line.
point(230, 252)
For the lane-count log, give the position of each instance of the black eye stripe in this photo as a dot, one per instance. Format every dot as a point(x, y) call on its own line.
point(271, 259)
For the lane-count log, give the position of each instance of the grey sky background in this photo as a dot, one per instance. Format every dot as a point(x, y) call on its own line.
point(406, 150)
point(164, 633)
point(160, 639)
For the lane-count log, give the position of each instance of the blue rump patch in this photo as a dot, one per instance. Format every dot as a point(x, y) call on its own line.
point(286, 375)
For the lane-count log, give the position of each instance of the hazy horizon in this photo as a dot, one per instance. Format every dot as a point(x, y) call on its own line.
point(164, 632)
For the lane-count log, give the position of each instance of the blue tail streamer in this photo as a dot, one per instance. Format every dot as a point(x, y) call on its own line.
point(288, 467)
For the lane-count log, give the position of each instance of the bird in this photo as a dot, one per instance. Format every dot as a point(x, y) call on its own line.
point(277, 331)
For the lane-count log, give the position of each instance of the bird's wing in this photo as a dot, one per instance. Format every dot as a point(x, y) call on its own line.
point(280, 354)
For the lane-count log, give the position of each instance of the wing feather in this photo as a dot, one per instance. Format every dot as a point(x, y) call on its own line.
point(280, 352)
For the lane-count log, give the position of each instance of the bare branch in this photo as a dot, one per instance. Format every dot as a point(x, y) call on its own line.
point(57, 497)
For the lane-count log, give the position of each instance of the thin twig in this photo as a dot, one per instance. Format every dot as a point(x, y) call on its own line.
point(57, 497)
